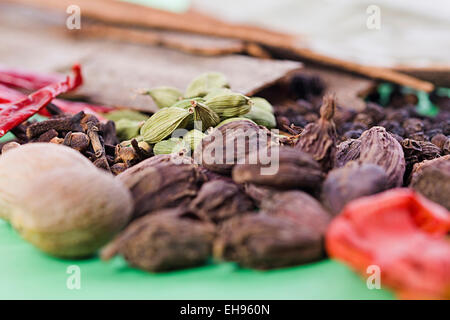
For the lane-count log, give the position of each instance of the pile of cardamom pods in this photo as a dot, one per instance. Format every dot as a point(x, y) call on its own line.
point(208, 102)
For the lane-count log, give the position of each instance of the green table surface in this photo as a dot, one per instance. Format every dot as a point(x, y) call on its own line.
point(26, 273)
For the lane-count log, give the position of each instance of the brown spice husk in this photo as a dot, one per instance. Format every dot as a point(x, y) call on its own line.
point(432, 179)
point(381, 148)
point(219, 200)
point(299, 208)
point(262, 241)
point(228, 137)
point(161, 185)
point(348, 150)
point(320, 138)
point(296, 169)
point(165, 241)
point(350, 182)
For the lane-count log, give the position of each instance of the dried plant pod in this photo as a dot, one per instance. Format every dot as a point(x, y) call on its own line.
point(258, 193)
point(299, 208)
point(162, 185)
point(418, 151)
point(219, 200)
point(381, 148)
point(350, 182)
point(162, 242)
point(295, 169)
point(156, 161)
point(320, 138)
point(262, 241)
point(230, 144)
point(348, 150)
point(432, 179)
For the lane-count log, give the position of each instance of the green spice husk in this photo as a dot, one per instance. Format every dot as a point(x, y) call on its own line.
point(205, 83)
point(164, 122)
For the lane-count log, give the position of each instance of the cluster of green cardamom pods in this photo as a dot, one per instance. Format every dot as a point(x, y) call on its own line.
point(207, 102)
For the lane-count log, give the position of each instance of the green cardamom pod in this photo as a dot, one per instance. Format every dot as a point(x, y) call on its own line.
point(193, 138)
point(229, 105)
point(128, 129)
point(261, 116)
point(204, 117)
point(186, 103)
point(234, 119)
point(117, 115)
point(262, 103)
point(172, 145)
point(164, 97)
point(164, 122)
point(205, 83)
point(217, 92)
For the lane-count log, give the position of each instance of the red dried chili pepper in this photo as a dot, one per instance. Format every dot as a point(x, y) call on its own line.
point(403, 234)
point(27, 79)
point(15, 113)
point(7, 95)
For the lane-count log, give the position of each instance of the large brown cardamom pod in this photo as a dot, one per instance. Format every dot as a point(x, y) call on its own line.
point(381, 148)
point(347, 150)
point(164, 241)
point(320, 138)
point(295, 169)
point(156, 184)
point(299, 208)
point(230, 144)
point(219, 200)
point(350, 182)
point(258, 193)
point(262, 241)
point(432, 179)
point(418, 151)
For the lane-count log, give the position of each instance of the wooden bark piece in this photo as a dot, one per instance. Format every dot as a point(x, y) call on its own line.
point(114, 71)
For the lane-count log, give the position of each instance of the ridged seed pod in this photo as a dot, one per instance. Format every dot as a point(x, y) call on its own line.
point(165, 122)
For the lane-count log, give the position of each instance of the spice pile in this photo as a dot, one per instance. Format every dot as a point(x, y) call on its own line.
point(200, 186)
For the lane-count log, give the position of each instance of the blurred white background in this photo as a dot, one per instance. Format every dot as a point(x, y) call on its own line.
point(413, 32)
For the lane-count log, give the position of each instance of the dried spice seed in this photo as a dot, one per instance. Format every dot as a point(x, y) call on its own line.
point(347, 151)
point(350, 182)
point(205, 83)
point(262, 241)
point(163, 242)
point(319, 139)
point(258, 193)
point(418, 151)
point(219, 200)
point(433, 180)
point(47, 136)
point(233, 141)
point(161, 185)
point(381, 148)
point(296, 169)
point(299, 208)
point(164, 97)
